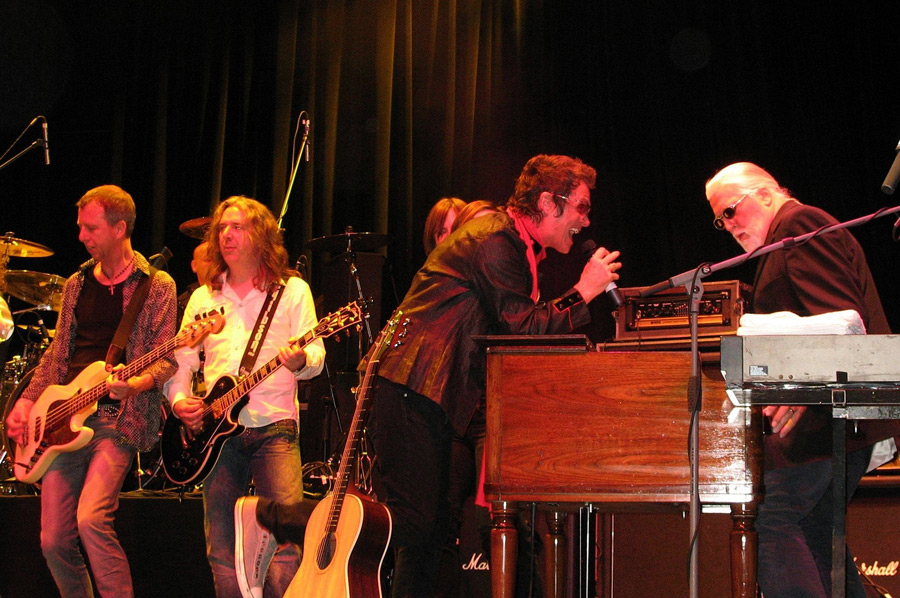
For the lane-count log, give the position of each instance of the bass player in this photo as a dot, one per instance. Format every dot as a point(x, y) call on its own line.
point(80, 489)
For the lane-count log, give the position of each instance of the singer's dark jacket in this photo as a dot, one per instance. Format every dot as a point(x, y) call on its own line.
point(477, 281)
point(828, 273)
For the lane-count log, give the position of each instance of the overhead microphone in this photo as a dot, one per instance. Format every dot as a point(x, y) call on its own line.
point(45, 334)
point(893, 175)
point(888, 186)
point(305, 123)
point(46, 144)
point(612, 289)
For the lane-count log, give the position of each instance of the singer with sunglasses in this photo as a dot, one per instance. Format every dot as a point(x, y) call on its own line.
point(827, 273)
point(482, 279)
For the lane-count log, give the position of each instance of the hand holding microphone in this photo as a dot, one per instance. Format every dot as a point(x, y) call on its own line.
point(599, 274)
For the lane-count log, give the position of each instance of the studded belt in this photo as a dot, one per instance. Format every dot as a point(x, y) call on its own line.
point(108, 410)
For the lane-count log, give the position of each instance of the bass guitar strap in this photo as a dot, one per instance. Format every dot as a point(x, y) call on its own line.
point(266, 314)
point(116, 352)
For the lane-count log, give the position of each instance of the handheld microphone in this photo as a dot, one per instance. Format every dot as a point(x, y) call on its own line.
point(612, 290)
point(46, 144)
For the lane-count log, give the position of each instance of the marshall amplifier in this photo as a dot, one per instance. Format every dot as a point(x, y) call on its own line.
point(872, 537)
point(645, 554)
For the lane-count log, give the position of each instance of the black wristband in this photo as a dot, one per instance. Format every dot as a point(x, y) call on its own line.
point(564, 303)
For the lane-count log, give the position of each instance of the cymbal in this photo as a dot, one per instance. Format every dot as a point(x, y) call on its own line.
point(349, 241)
point(36, 288)
point(13, 247)
point(196, 228)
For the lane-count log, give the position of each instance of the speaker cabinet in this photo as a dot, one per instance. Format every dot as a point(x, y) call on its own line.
point(873, 537)
point(646, 554)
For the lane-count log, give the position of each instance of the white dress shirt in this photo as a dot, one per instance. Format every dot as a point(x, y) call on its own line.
point(275, 398)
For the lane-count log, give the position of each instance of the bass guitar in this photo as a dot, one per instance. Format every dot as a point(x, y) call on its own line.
point(348, 533)
point(55, 422)
point(189, 455)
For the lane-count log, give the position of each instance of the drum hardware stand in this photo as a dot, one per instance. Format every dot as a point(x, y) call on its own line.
point(354, 275)
point(331, 409)
point(34, 349)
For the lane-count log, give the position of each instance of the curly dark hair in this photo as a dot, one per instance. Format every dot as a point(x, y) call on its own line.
point(555, 174)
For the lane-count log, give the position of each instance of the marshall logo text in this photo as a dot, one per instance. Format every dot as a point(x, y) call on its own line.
point(875, 569)
point(476, 564)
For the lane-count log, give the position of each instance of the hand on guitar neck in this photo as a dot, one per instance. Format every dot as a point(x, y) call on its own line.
point(190, 409)
point(121, 389)
point(53, 424)
point(191, 442)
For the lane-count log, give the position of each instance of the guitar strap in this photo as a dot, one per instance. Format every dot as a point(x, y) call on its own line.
point(266, 314)
point(116, 351)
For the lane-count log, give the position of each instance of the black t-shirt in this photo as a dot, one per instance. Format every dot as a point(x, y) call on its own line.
point(97, 315)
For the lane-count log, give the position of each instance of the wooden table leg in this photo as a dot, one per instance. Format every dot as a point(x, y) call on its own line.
point(504, 549)
point(555, 546)
point(744, 544)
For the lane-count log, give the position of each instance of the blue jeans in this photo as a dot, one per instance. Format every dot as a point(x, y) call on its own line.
point(271, 456)
point(794, 527)
point(79, 498)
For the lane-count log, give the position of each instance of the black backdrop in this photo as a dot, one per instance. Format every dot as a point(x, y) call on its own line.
point(183, 103)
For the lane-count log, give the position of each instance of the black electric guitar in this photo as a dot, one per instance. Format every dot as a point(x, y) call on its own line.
point(348, 533)
point(188, 456)
point(55, 421)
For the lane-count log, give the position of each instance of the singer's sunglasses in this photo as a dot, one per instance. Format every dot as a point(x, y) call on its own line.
point(581, 206)
point(728, 213)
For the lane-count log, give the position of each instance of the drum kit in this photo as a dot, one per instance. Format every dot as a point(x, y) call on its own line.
point(44, 293)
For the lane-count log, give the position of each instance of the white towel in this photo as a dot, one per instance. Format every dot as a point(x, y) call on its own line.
point(847, 321)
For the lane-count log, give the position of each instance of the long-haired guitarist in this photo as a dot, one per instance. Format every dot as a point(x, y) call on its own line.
point(80, 489)
point(258, 439)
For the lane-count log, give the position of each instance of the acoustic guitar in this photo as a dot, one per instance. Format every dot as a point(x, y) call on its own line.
point(348, 533)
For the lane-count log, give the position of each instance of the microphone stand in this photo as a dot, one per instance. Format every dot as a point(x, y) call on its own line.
point(786, 243)
point(692, 281)
point(36, 143)
point(330, 401)
point(304, 150)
